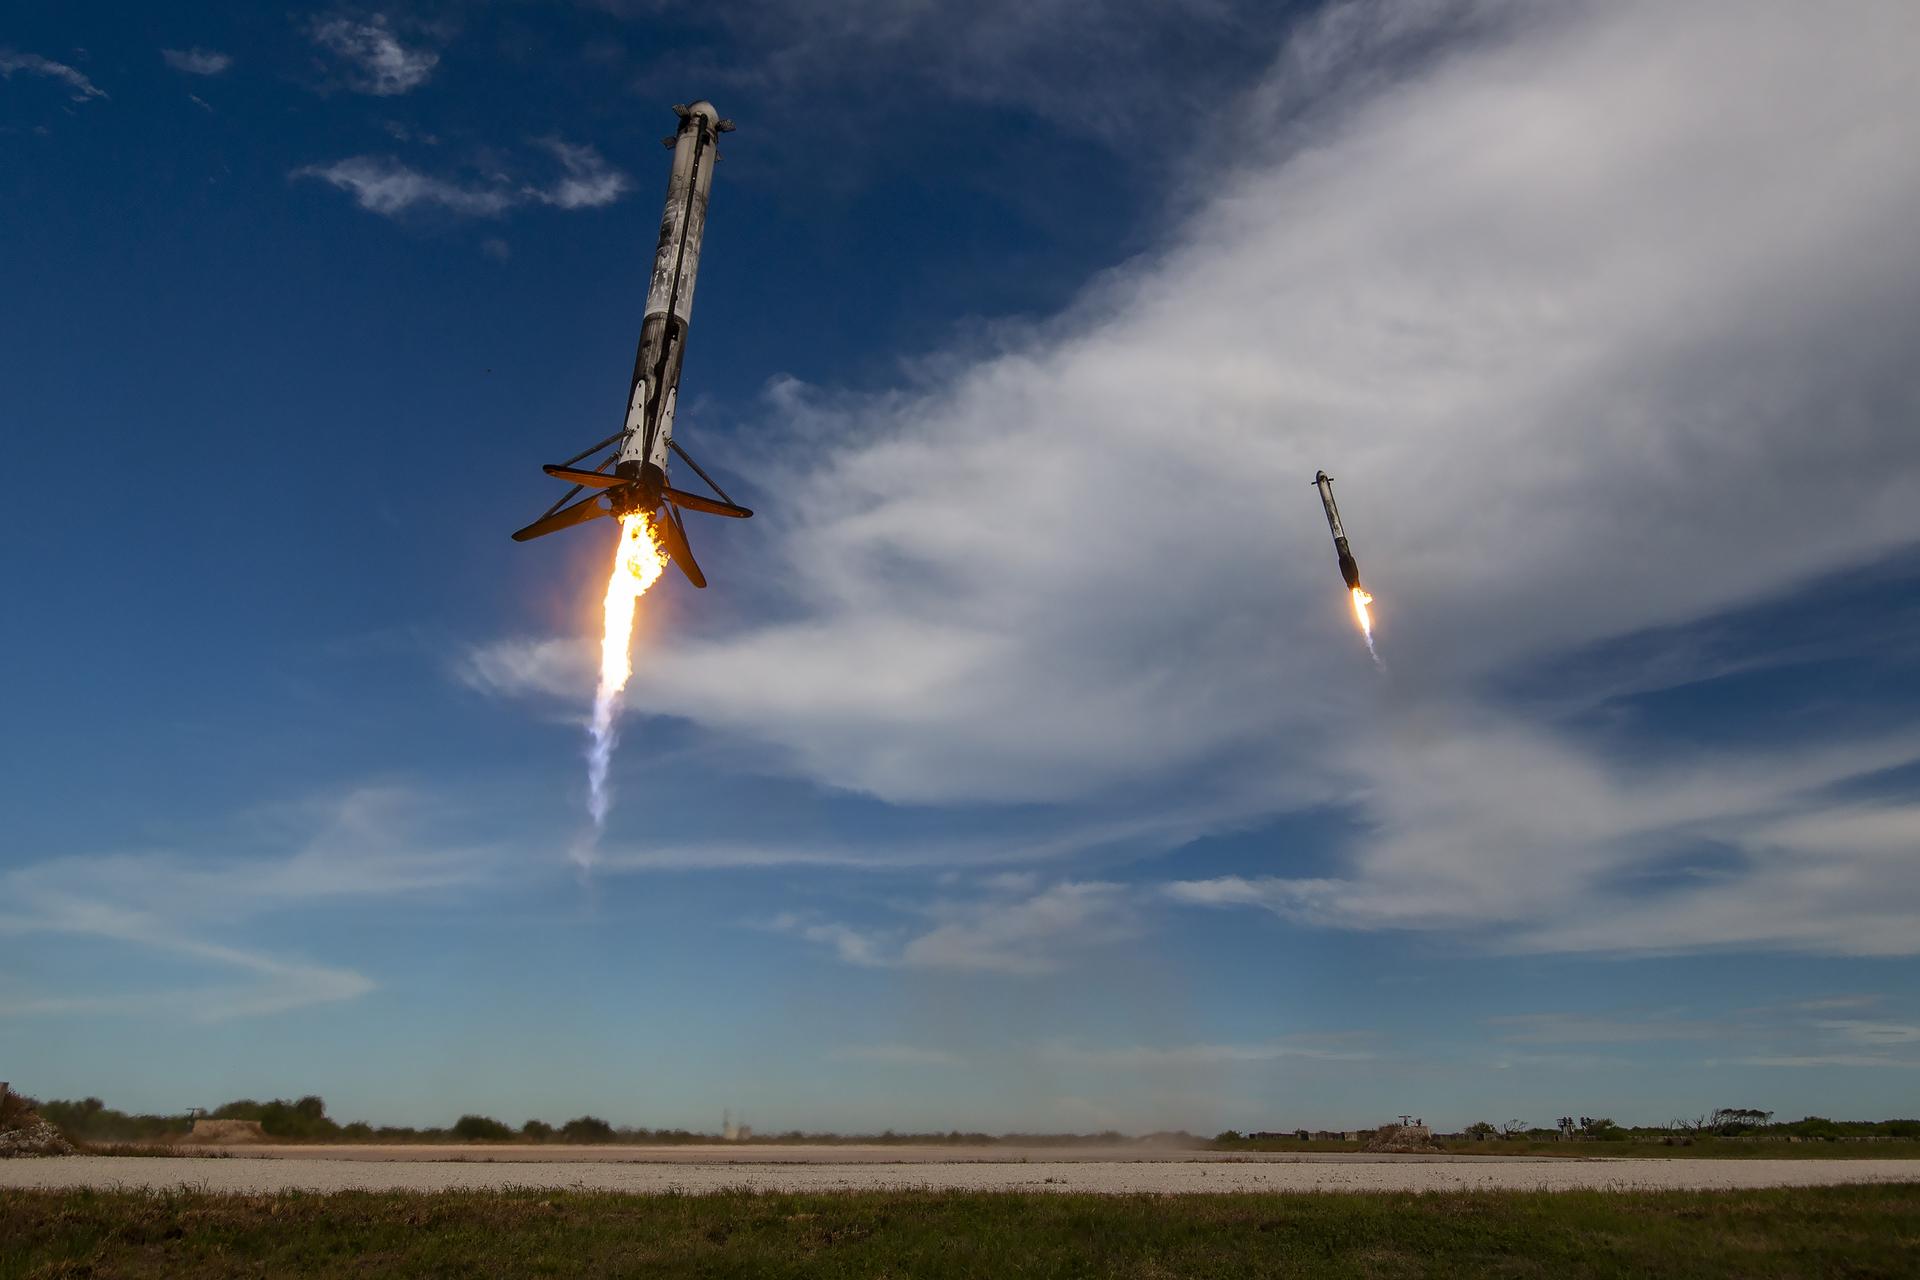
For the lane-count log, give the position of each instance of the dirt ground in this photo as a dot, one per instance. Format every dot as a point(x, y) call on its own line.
point(796, 1168)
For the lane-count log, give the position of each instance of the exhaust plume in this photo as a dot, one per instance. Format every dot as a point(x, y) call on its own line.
point(637, 564)
point(1360, 602)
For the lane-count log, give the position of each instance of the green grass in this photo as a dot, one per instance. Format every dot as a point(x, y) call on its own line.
point(1653, 1148)
point(1827, 1231)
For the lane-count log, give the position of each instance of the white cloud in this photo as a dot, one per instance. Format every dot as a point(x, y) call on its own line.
point(1030, 935)
point(1562, 303)
point(851, 945)
point(1502, 826)
point(81, 88)
point(388, 187)
point(586, 181)
point(197, 61)
point(376, 61)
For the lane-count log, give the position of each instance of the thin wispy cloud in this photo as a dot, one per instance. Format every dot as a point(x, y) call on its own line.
point(81, 89)
point(366, 846)
point(1156, 1057)
point(1089, 70)
point(1780, 1035)
point(1032, 933)
point(1582, 1028)
point(392, 188)
point(895, 1055)
point(863, 948)
point(1867, 1061)
point(372, 59)
point(1562, 870)
point(1039, 933)
point(1862, 1031)
point(197, 61)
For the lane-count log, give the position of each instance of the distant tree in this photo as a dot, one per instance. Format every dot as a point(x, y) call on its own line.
point(1729, 1121)
point(587, 1129)
point(1225, 1135)
point(1481, 1129)
point(480, 1129)
point(91, 1120)
point(538, 1130)
point(306, 1118)
point(1513, 1128)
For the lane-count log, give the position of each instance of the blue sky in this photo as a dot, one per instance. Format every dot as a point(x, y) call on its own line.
point(1021, 768)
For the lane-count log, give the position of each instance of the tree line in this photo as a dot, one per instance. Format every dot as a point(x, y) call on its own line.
point(306, 1120)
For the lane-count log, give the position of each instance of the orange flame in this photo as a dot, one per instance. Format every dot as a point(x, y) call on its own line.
point(637, 565)
point(1360, 602)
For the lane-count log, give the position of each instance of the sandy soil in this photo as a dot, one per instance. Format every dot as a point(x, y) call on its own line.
point(794, 1153)
point(696, 1169)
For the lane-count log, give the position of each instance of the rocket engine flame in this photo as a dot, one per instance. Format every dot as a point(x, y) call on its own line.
point(1360, 602)
point(637, 564)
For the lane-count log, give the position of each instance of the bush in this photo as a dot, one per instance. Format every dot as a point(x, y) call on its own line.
point(587, 1129)
point(538, 1130)
point(480, 1129)
point(14, 1107)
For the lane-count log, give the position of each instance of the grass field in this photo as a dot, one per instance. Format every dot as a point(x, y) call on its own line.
point(1833, 1231)
point(1701, 1149)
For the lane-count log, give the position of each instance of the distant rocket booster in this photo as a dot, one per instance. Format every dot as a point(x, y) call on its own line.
point(1349, 568)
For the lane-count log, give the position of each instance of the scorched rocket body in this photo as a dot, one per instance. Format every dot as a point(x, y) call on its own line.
point(637, 480)
point(1349, 567)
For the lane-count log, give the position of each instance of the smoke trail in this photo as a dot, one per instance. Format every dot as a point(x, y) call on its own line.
point(637, 564)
